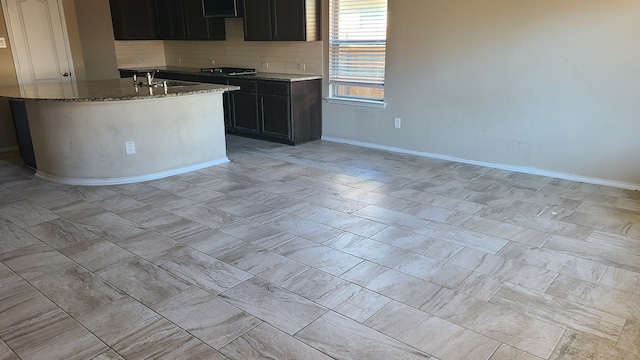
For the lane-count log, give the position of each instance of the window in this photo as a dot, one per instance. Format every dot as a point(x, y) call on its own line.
point(357, 47)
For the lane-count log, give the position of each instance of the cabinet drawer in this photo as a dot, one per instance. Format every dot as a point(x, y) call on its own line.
point(245, 85)
point(273, 87)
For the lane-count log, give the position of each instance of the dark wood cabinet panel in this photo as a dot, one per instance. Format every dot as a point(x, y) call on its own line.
point(257, 20)
point(245, 112)
point(199, 27)
point(274, 115)
point(170, 20)
point(281, 20)
point(134, 19)
point(288, 20)
point(164, 20)
point(23, 133)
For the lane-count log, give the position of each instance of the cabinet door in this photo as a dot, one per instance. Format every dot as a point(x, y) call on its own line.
point(257, 20)
point(134, 19)
point(170, 19)
point(288, 20)
point(200, 28)
point(275, 116)
point(245, 111)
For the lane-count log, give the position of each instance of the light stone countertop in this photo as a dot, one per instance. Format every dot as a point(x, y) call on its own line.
point(258, 76)
point(107, 90)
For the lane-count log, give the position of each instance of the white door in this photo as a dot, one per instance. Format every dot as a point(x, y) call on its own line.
point(39, 40)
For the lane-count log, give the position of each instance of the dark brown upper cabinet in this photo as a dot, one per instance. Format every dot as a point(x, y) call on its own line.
point(199, 27)
point(281, 20)
point(164, 20)
point(171, 20)
point(134, 19)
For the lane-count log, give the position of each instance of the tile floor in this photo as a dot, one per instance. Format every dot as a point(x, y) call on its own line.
point(315, 252)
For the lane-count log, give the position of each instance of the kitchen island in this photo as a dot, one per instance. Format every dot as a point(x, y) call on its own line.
point(115, 132)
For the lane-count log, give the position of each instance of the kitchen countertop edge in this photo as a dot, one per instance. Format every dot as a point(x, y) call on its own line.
point(104, 90)
point(196, 71)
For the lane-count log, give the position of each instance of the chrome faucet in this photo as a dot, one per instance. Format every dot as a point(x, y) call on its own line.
point(150, 76)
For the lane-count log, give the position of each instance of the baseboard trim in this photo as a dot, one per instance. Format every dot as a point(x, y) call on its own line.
point(131, 179)
point(522, 169)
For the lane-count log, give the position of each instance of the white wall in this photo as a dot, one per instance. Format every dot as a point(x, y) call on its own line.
point(540, 84)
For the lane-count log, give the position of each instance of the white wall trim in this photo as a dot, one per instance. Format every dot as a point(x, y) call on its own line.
point(522, 169)
point(131, 179)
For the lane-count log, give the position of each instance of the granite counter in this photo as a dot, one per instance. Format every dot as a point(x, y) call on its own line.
point(113, 132)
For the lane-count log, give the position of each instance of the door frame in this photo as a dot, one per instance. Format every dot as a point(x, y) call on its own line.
point(14, 51)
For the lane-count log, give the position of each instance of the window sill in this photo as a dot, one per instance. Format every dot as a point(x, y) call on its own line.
point(357, 102)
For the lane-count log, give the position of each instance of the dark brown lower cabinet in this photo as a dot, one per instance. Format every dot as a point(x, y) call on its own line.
point(287, 112)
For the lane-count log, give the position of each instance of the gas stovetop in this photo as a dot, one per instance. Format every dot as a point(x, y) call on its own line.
point(229, 70)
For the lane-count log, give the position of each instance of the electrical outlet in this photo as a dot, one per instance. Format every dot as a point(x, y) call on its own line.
point(264, 65)
point(302, 67)
point(179, 60)
point(397, 122)
point(213, 62)
point(130, 146)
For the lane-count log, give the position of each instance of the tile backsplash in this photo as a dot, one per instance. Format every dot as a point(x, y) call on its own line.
point(140, 53)
point(294, 57)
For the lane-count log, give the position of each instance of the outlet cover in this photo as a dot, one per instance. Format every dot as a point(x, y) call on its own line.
point(3, 43)
point(397, 122)
point(302, 67)
point(264, 65)
point(130, 146)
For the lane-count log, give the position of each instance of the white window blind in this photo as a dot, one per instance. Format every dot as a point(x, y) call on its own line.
point(357, 48)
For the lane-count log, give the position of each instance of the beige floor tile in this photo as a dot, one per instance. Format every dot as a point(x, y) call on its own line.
point(313, 240)
point(506, 352)
point(59, 233)
point(318, 256)
point(512, 328)
point(76, 290)
point(26, 213)
point(431, 334)
point(368, 249)
point(556, 310)
point(613, 301)
point(210, 274)
point(577, 346)
point(529, 276)
point(188, 348)
point(394, 284)
point(556, 261)
point(35, 261)
point(267, 342)
point(6, 353)
point(467, 238)
point(420, 244)
point(621, 279)
point(110, 226)
point(630, 338)
point(153, 247)
point(142, 280)
point(14, 237)
point(96, 254)
point(282, 309)
point(206, 317)
point(343, 338)
point(302, 227)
